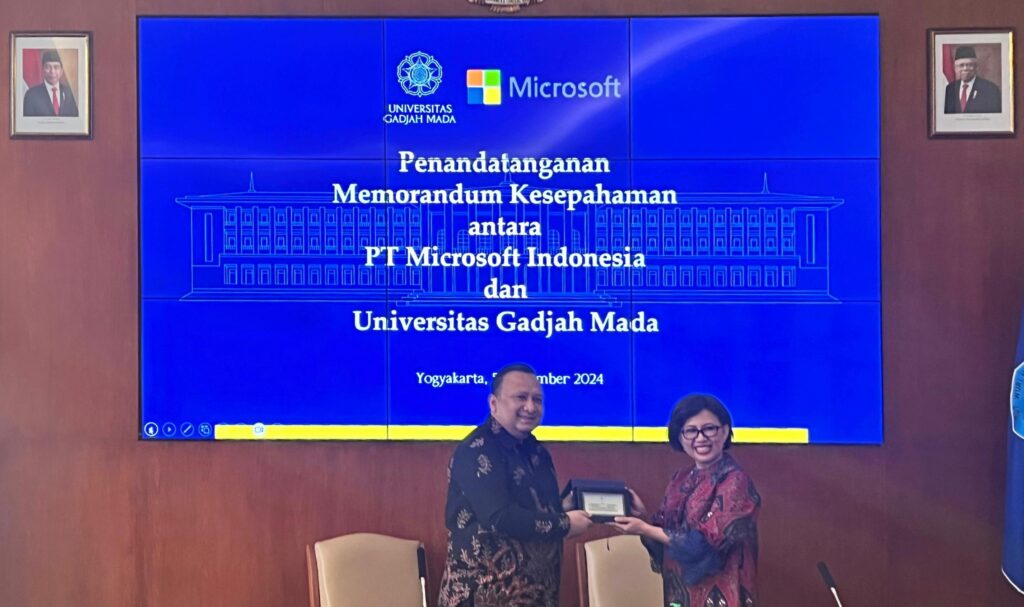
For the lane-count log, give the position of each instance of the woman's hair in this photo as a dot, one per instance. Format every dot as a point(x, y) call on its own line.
point(691, 405)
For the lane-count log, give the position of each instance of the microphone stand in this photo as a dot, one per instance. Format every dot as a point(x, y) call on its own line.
point(830, 582)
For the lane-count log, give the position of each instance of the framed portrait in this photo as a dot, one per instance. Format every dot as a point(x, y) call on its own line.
point(970, 82)
point(51, 84)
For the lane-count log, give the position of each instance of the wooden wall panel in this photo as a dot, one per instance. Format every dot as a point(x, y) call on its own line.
point(90, 516)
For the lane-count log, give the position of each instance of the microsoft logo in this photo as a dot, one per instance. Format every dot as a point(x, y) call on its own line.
point(483, 87)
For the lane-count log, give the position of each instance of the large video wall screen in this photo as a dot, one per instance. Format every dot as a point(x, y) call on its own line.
point(347, 225)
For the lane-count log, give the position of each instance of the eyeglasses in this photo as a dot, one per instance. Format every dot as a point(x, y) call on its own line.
point(709, 431)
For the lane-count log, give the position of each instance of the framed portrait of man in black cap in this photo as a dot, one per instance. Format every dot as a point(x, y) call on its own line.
point(51, 85)
point(971, 82)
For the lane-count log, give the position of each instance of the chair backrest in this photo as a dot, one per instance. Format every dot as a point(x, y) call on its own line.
point(618, 574)
point(367, 569)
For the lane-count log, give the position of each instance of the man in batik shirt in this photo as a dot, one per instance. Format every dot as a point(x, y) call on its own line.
point(504, 516)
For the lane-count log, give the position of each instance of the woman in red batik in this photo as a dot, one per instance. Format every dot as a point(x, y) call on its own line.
point(703, 538)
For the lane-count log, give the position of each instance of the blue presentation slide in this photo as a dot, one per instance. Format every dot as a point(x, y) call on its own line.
point(348, 225)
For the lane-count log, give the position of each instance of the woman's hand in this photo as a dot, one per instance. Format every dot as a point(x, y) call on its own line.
point(630, 525)
point(635, 526)
point(637, 509)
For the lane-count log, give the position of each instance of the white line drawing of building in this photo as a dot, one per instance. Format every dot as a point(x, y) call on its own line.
point(722, 247)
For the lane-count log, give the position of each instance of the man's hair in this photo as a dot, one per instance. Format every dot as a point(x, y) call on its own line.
point(692, 405)
point(51, 57)
point(500, 375)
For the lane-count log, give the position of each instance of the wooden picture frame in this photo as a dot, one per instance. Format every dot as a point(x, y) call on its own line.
point(971, 86)
point(51, 84)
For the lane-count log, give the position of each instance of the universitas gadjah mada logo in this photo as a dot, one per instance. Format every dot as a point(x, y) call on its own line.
point(419, 74)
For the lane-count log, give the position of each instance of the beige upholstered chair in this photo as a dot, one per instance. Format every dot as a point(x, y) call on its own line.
point(616, 572)
point(366, 570)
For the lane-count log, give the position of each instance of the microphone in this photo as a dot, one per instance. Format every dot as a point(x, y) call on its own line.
point(831, 583)
point(421, 563)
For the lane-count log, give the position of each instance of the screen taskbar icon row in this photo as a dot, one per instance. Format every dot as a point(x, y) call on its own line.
point(315, 432)
point(178, 430)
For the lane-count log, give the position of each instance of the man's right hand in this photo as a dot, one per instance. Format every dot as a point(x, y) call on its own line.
point(579, 521)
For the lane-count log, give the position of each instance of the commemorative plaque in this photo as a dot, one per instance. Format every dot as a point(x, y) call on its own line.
point(603, 500)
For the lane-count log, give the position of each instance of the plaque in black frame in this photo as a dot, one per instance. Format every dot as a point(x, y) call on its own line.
point(603, 500)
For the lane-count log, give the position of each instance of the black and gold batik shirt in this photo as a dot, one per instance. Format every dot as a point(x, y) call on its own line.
point(505, 523)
